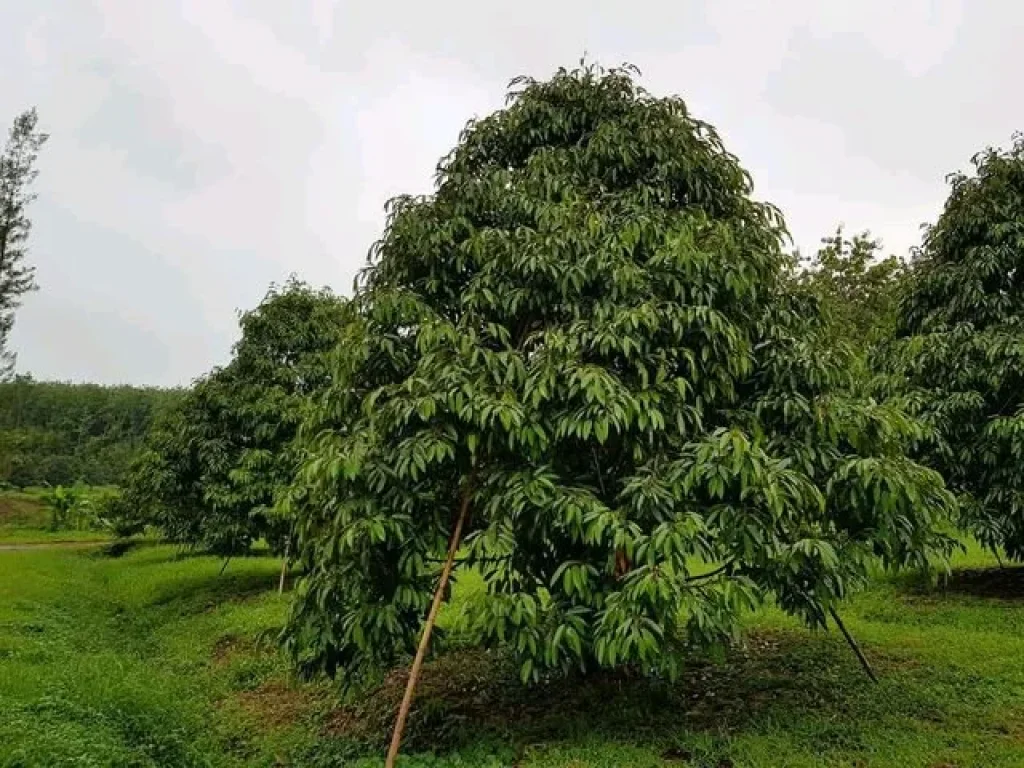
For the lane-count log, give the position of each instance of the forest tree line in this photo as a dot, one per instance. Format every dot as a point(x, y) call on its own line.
point(58, 433)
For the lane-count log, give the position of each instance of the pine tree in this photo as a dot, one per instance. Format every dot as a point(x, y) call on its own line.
point(17, 276)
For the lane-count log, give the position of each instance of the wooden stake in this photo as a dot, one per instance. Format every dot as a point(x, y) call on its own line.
point(853, 644)
point(428, 628)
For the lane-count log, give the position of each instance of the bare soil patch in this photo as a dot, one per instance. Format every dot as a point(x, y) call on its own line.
point(276, 704)
point(468, 694)
point(35, 545)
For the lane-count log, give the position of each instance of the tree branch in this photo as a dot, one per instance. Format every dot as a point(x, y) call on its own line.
point(597, 469)
point(460, 560)
point(701, 576)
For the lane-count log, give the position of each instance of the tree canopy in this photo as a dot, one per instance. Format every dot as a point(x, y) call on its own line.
point(859, 290)
point(585, 341)
point(214, 464)
point(961, 344)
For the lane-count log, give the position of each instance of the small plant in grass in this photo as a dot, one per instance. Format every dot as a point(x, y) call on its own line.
point(62, 506)
point(578, 364)
point(80, 507)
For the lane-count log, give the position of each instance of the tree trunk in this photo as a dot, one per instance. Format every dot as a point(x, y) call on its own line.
point(284, 566)
point(428, 628)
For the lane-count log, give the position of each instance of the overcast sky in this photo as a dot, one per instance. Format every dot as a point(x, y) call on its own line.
point(202, 149)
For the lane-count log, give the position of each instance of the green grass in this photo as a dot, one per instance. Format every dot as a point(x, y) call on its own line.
point(154, 660)
point(116, 661)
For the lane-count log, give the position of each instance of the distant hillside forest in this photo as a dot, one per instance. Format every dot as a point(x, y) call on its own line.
point(55, 433)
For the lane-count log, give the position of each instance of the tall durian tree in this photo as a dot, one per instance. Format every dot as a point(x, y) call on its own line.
point(961, 345)
point(579, 353)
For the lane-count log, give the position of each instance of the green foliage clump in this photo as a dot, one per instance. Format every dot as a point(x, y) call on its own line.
point(80, 507)
point(586, 337)
point(57, 433)
point(63, 502)
point(214, 464)
point(961, 345)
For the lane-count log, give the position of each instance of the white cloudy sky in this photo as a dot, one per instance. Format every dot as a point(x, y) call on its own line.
point(202, 149)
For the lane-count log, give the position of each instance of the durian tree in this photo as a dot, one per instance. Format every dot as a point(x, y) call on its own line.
point(960, 347)
point(578, 369)
point(858, 287)
point(215, 464)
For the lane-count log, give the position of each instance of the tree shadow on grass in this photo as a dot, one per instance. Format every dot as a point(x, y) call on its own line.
point(118, 548)
point(468, 696)
point(994, 582)
point(1002, 583)
point(201, 592)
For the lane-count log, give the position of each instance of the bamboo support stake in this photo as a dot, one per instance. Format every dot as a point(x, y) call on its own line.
point(428, 628)
point(853, 645)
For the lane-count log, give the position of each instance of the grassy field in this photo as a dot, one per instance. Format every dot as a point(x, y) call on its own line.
point(153, 659)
